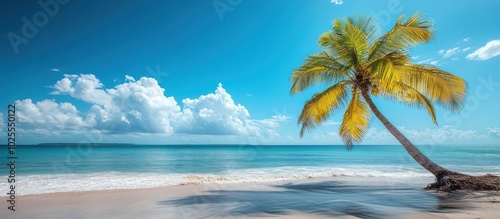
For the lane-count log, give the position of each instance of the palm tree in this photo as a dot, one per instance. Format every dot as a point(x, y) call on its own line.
point(357, 64)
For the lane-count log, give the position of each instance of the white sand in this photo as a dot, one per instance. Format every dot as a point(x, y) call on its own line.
point(150, 203)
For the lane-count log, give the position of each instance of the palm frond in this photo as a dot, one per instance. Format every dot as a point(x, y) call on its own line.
point(320, 68)
point(383, 68)
point(440, 86)
point(348, 40)
point(356, 40)
point(404, 93)
point(355, 122)
point(367, 25)
point(317, 109)
point(406, 33)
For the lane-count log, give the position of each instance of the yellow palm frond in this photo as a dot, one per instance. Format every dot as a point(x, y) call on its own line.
point(445, 88)
point(367, 25)
point(320, 68)
point(383, 68)
point(406, 33)
point(348, 40)
point(404, 93)
point(355, 122)
point(355, 38)
point(317, 109)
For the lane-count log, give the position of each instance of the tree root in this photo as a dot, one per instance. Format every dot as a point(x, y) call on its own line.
point(449, 181)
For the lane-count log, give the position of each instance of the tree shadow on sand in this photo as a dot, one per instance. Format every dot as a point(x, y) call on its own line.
point(330, 198)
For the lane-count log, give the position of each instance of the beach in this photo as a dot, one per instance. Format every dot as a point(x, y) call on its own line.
point(336, 197)
point(243, 181)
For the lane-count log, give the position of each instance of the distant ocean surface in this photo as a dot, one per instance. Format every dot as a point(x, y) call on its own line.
point(50, 168)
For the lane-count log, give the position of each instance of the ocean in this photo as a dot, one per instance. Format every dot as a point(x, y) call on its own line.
point(42, 169)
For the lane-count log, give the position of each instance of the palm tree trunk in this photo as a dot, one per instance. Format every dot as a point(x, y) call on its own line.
point(412, 150)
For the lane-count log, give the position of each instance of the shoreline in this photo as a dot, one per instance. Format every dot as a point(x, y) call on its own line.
point(310, 198)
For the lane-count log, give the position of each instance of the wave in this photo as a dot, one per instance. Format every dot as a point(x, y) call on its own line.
point(471, 154)
point(55, 183)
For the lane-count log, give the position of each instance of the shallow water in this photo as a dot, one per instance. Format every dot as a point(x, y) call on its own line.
point(47, 169)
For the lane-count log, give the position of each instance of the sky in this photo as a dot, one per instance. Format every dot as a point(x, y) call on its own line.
point(218, 71)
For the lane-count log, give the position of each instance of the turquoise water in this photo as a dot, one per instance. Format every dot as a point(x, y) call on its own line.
point(45, 169)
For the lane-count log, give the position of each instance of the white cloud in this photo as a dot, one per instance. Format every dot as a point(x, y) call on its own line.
point(466, 39)
point(337, 2)
point(274, 122)
point(49, 116)
point(85, 87)
point(140, 106)
point(445, 134)
point(445, 54)
point(215, 114)
point(374, 135)
point(450, 52)
point(442, 133)
point(490, 50)
point(330, 122)
point(495, 132)
point(250, 95)
point(55, 69)
point(129, 78)
point(134, 106)
point(429, 61)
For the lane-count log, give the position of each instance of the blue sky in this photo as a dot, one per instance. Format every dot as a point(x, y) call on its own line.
point(218, 71)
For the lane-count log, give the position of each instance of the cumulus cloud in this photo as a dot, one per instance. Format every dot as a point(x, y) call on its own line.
point(49, 116)
point(85, 87)
point(55, 69)
point(495, 132)
point(134, 106)
point(490, 50)
point(337, 2)
point(140, 106)
point(215, 114)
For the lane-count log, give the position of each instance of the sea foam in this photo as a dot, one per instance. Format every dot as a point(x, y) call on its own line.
point(55, 183)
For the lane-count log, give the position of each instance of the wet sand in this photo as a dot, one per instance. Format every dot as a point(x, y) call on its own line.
point(318, 198)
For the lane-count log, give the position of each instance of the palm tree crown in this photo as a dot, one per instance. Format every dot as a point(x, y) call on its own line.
point(355, 63)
